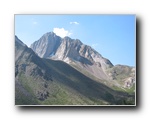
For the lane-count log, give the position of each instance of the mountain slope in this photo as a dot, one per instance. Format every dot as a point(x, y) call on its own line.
point(72, 52)
point(28, 67)
point(85, 59)
point(48, 82)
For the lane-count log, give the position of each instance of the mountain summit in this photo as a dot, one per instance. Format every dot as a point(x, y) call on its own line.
point(73, 52)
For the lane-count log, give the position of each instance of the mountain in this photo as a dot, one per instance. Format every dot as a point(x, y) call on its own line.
point(40, 81)
point(85, 59)
point(73, 52)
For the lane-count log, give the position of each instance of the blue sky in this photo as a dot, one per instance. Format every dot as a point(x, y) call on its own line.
point(113, 36)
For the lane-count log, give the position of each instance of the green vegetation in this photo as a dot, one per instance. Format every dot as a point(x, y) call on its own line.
point(65, 88)
point(23, 92)
point(131, 90)
point(22, 99)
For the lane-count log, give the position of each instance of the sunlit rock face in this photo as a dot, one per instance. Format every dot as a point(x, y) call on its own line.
point(71, 51)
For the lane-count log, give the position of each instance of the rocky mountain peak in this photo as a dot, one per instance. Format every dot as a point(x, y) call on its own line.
point(67, 38)
point(46, 45)
point(71, 51)
point(49, 34)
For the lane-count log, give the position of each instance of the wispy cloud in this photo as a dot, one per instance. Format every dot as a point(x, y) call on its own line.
point(61, 32)
point(76, 23)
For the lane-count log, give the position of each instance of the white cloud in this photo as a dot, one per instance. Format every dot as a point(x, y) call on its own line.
point(61, 32)
point(76, 23)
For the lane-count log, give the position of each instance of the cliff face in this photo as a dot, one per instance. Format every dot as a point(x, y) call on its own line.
point(46, 45)
point(73, 52)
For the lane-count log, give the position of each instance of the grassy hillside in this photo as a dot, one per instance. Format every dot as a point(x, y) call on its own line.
point(68, 87)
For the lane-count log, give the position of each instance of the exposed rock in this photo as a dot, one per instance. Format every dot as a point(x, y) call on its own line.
point(70, 50)
point(46, 45)
point(129, 82)
point(125, 75)
point(29, 63)
point(42, 95)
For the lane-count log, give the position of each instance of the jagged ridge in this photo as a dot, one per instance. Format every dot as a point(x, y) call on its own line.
point(72, 51)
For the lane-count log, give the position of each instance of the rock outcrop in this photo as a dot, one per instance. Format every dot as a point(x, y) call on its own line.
point(73, 52)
